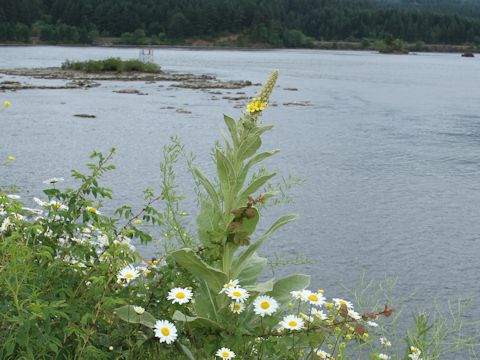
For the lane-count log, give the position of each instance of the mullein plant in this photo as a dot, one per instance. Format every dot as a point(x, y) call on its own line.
point(226, 312)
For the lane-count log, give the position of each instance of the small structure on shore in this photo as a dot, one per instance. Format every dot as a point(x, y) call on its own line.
point(146, 55)
point(468, 54)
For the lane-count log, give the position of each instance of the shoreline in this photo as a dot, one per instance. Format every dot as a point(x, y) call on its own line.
point(325, 45)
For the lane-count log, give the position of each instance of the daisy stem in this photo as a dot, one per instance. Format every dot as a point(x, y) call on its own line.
point(293, 345)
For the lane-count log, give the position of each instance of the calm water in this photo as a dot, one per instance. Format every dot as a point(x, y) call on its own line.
point(389, 153)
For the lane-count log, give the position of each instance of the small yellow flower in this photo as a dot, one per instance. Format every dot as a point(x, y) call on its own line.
point(137, 221)
point(11, 158)
point(348, 337)
point(329, 305)
point(7, 104)
point(365, 335)
point(256, 106)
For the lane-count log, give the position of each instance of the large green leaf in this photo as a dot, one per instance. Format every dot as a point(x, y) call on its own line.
point(206, 302)
point(239, 264)
point(283, 287)
point(127, 313)
point(209, 188)
point(254, 267)
point(264, 287)
point(209, 221)
point(252, 187)
point(226, 172)
point(215, 278)
point(232, 128)
point(196, 322)
point(254, 160)
point(185, 350)
point(249, 146)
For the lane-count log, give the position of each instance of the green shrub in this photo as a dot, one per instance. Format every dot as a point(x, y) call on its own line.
point(111, 65)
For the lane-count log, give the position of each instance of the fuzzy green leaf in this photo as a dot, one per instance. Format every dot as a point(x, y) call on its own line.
point(283, 287)
point(239, 264)
point(196, 322)
point(127, 313)
point(198, 268)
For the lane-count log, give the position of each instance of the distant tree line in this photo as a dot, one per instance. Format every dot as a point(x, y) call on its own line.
point(290, 23)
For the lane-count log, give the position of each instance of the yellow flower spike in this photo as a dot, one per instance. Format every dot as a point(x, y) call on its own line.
point(7, 103)
point(11, 158)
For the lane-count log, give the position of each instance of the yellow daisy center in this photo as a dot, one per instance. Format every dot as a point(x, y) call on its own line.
point(292, 323)
point(313, 297)
point(180, 295)
point(129, 276)
point(265, 305)
point(237, 293)
point(225, 354)
point(165, 331)
point(236, 307)
point(342, 302)
point(93, 210)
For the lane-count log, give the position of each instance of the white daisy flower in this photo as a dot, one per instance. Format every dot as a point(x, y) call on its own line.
point(58, 205)
point(33, 211)
point(319, 314)
point(383, 357)
point(323, 354)
point(298, 294)
point(53, 180)
point(415, 353)
point(231, 284)
point(5, 225)
point(40, 202)
point(340, 302)
point(13, 197)
point(180, 295)
point(316, 299)
point(265, 305)
point(18, 216)
point(237, 307)
point(165, 331)
point(139, 310)
point(128, 274)
point(307, 318)
point(385, 342)
point(225, 353)
point(238, 294)
point(354, 315)
point(93, 210)
point(292, 322)
point(372, 323)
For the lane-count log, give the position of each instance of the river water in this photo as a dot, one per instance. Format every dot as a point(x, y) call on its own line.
point(388, 151)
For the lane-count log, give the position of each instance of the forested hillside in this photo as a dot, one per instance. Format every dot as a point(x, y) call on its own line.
point(276, 22)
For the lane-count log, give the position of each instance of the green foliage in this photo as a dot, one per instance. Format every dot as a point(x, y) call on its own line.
point(111, 64)
point(276, 23)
